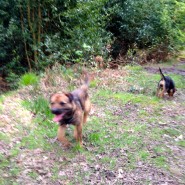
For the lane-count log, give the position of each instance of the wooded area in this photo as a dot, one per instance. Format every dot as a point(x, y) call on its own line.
point(92, 92)
point(35, 34)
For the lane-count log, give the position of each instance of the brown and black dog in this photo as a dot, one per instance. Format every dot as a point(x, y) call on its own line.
point(71, 108)
point(166, 84)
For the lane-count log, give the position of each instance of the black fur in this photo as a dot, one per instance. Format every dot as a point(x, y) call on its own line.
point(169, 83)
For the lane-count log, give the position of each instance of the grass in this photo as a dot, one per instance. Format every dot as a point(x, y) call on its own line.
point(123, 131)
point(93, 83)
point(2, 99)
point(4, 137)
point(160, 161)
point(29, 79)
point(181, 143)
point(171, 132)
point(38, 106)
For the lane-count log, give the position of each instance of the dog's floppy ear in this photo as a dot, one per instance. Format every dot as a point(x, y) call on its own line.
point(70, 96)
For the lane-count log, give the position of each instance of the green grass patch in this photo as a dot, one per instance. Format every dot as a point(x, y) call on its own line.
point(127, 97)
point(179, 80)
point(67, 73)
point(77, 148)
point(14, 151)
point(171, 132)
point(181, 143)
point(143, 155)
point(29, 79)
point(39, 137)
point(161, 150)
point(160, 161)
point(45, 129)
point(155, 134)
point(109, 161)
point(14, 170)
point(4, 161)
point(138, 83)
point(33, 174)
point(38, 106)
point(94, 137)
point(4, 137)
point(93, 83)
point(135, 68)
point(9, 168)
point(2, 99)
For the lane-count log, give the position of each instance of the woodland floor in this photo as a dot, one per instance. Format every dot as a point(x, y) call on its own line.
point(131, 137)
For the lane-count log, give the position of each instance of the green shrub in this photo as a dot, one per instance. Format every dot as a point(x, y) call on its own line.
point(29, 79)
point(84, 34)
point(13, 80)
point(38, 106)
point(145, 24)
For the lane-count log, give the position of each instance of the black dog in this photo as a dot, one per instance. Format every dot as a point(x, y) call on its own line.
point(166, 84)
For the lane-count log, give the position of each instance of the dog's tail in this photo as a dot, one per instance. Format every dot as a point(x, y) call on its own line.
point(162, 75)
point(86, 81)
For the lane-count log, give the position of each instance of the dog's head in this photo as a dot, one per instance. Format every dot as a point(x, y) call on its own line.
point(61, 105)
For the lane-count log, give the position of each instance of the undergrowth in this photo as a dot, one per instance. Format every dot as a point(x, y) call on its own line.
point(29, 79)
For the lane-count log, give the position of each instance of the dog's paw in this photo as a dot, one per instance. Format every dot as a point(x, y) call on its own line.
point(67, 145)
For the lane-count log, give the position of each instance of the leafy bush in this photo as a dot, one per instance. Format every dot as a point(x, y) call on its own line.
point(83, 33)
point(39, 34)
point(145, 24)
point(13, 80)
point(29, 79)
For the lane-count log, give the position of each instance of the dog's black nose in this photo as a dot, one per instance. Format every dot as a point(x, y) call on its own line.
point(56, 111)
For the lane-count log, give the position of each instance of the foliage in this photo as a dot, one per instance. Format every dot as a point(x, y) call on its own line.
point(38, 106)
point(28, 79)
point(13, 80)
point(145, 23)
point(37, 34)
point(88, 35)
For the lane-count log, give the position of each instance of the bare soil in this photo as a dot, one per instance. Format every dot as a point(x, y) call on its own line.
point(175, 69)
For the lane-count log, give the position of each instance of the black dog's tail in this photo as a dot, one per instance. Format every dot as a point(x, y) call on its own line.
point(162, 75)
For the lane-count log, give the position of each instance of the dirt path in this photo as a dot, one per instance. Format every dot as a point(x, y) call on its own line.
point(177, 68)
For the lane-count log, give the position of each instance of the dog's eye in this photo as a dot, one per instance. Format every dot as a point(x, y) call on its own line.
point(62, 103)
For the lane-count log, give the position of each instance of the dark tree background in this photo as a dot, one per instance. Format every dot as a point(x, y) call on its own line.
point(35, 34)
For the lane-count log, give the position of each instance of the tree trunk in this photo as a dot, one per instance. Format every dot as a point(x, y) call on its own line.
point(39, 23)
point(30, 23)
point(25, 45)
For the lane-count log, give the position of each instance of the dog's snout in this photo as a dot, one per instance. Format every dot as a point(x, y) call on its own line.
point(55, 111)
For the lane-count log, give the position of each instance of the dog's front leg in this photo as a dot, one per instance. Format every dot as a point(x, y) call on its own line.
point(162, 94)
point(157, 93)
point(61, 136)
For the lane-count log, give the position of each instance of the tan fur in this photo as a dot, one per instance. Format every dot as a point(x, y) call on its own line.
point(80, 116)
point(161, 89)
point(171, 93)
